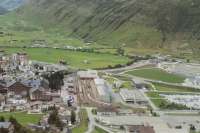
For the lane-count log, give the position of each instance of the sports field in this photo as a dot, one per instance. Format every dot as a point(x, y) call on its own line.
point(22, 117)
point(178, 89)
point(82, 60)
point(157, 74)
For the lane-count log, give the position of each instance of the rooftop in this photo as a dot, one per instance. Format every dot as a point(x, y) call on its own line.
point(88, 74)
point(141, 129)
point(5, 125)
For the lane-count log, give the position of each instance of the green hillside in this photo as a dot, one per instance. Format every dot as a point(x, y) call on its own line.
point(148, 24)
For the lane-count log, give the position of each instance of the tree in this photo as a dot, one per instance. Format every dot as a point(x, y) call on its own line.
point(2, 119)
point(120, 51)
point(17, 126)
point(73, 117)
point(55, 80)
point(52, 117)
point(192, 128)
point(110, 98)
point(55, 120)
point(122, 127)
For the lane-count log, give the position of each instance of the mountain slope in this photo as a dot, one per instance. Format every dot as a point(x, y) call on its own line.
point(170, 24)
point(109, 22)
point(2, 10)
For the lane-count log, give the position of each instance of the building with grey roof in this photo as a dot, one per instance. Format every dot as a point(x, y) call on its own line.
point(133, 96)
point(8, 126)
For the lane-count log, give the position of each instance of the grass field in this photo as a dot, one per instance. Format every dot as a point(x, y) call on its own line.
point(157, 74)
point(22, 117)
point(156, 98)
point(170, 88)
point(99, 130)
point(194, 132)
point(83, 124)
point(127, 85)
point(73, 58)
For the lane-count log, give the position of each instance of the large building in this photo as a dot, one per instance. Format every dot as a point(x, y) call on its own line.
point(132, 96)
point(19, 89)
point(103, 89)
point(8, 126)
point(90, 74)
point(20, 58)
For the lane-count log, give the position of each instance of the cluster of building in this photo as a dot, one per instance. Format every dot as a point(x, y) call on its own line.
point(22, 86)
point(190, 101)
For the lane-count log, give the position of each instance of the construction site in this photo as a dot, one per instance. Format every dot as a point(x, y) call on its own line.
point(89, 92)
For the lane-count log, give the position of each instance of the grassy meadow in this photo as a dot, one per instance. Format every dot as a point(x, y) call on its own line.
point(22, 117)
point(73, 58)
point(157, 74)
point(170, 88)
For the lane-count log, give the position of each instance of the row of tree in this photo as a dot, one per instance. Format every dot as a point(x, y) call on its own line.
point(55, 80)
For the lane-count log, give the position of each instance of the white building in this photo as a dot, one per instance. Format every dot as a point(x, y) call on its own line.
point(103, 89)
point(90, 74)
point(133, 96)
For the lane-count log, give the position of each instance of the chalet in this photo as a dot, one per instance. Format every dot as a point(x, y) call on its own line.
point(19, 89)
point(39, 94)
point(36, 83)
point(20, 58)
point(35, 107)
point(3, 90)
point(8, 126)
point(2, 101)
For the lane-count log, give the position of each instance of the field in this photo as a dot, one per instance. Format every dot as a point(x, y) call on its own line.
point(127, 85)
point(22, 117)
point(156, 98)
point(83, 126)
point(73, 58)
point(157, 74)
point(98, 130)
point(170, 88)
point(194, 132)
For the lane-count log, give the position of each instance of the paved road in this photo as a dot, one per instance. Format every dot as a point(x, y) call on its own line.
point(156, 81)
point(92, 123)
point(149, 101)
point(132, 66)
